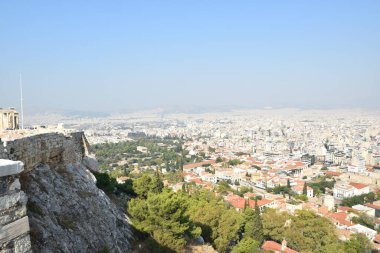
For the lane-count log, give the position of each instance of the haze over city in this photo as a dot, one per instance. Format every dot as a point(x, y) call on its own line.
point(164, 126)
point(112, 56)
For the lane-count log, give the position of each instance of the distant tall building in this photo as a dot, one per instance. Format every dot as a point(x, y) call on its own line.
point(9, 119)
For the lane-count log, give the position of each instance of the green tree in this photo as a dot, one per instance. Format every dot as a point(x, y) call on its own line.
point(304, 190)
point(220, 225)
point(248, 217)
point(364, 220)
point(246, 245)
point(302, 197)
point(223, 187)
point(229, 225)
point(305, 231)
point(274, 224)
point(219, 159)
point(105, 182)
point(257, 232)
point(358, 243)
point(181, 164)
point(360, 199)
point(147, 183)
point(288, 183)
point(174, 177)
point(245, 189)
point(309, 232)
point(163, 216)
point(234, 162)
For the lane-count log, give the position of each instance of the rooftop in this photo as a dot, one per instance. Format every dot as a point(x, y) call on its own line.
point(274, 246)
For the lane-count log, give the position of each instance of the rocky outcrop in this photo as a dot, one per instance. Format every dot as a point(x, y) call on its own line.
point(66, 211)
point(91, 163)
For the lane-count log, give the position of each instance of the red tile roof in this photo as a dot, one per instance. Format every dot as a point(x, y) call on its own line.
point(293, 165)
point(333, 173)
point(239, 202)
point(341, 218)
point(358, 186)
point(261, 202)
point(236, 201)
point(274, 246)
point(323, 210)
point(195, 165)
point(344, 208)
point(249, 194)
point(377, 238)
point(372, 206)
point(300, 188)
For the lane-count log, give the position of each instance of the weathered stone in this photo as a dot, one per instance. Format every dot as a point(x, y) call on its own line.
point(51, 148)
point(4, 184)
point(15, 185)
point(66, 211)
point(91, 163)
point(12, 214)
point(10, 200)
point(22, 244)
point(8, 167)
point(14, 229)
point(73, 214)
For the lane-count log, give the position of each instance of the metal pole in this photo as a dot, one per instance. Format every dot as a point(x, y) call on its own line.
point(22, 107)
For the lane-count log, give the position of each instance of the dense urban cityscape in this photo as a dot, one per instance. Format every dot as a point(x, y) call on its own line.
point(159, 126)
point(324, 161)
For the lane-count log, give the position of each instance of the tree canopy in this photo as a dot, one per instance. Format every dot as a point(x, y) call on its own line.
point(304, 231)
point(164, 217)
point(147, 183)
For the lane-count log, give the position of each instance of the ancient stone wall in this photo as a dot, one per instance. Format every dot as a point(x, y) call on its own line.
point(65, 209)
point(25, 154)
point(50, 148)
point(14, 224)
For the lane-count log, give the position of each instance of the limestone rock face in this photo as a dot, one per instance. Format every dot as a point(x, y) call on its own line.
point(91, 163)
point(68, 213)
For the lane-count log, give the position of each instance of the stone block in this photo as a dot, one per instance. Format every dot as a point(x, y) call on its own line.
point(14, 229)
point(10, 200)
point(22, 244)
point(8, 167)
point(15, 185)
point(12, 214)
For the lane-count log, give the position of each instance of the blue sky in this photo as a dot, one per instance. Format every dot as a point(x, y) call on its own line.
point(118, 55)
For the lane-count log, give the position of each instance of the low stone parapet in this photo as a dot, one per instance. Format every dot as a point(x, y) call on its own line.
point(49, 148)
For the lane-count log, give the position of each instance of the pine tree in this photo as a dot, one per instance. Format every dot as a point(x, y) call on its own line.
point(157, 184)
point(304, 190)
point(258, 234)
point(181, 164)
point(288, 183)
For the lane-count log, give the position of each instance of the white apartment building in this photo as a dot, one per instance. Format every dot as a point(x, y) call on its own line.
point(355, 169)
point(208, 177)
point(299, 190)
point(364, 209)
point(346, 190)
point(370, 233)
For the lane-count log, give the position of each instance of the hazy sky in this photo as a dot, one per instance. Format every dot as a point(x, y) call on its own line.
point(116, 55)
